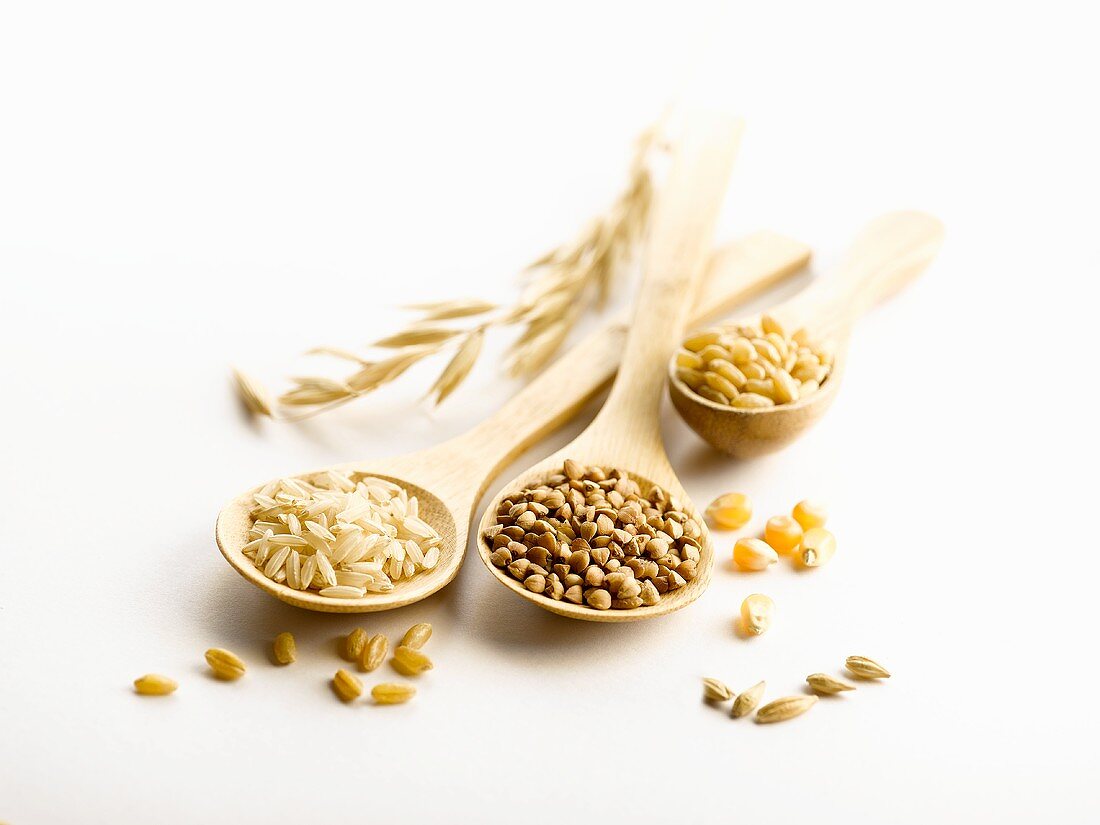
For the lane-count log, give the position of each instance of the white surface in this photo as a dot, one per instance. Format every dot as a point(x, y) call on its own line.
point(187, 185)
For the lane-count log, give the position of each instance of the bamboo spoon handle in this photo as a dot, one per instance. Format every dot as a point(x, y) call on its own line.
point(737, 271)
point(679, 246)
point(890, 252)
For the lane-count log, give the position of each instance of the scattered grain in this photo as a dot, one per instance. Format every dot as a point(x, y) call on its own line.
point(226, 665)
point(284, 648)
point(153, 684)
point(346, 686)
point(746, 702)
point(786, 708)
point(866, 668)
point(389, 693)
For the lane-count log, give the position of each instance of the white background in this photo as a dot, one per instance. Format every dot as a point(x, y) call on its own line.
point(188, 185)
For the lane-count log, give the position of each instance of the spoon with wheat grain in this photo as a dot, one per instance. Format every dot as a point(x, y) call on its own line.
point(449, 479)
point(890, 252)
point(626, 432)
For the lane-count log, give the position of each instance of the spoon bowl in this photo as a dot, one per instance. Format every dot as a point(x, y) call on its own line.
point(892, 251)
point(586, 452)
point(748, 433)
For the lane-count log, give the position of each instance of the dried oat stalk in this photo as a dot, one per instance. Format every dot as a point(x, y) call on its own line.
point(560, 288)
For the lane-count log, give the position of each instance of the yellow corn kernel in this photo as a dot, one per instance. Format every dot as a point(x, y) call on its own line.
point(756, 613)
point(225, 665)
point(389, 693)
point(783, 533)
point(730, 511)
point(346, 686)
point(810, 513)
point(753, 554)
point(153, 684)
point(817, 546)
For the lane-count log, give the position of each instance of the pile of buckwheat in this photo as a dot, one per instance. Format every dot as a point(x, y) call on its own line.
point(590, 535)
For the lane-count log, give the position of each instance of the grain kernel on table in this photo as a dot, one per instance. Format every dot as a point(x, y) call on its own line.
point(153, 684)
point(753, 554)
point(825, 684)
point(746, 702)
point(757, 612)
point(730, 511)
point(226, 665)
point(410, 662)
point(354, 643)
point(346, 686)
point(783, 534)
point(716, 691)
point(389, 693)
point(284, 649)
point(374, 653)
point(810, 513)
point(786, 708)
point(417, 635)
point(818, 545)
point(865, 668)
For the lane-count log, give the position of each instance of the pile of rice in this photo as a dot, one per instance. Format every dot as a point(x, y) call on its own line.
point(341, 536)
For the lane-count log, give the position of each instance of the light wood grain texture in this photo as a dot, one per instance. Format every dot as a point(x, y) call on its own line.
point(450, 478)
point(892, 251)
point(626, 431)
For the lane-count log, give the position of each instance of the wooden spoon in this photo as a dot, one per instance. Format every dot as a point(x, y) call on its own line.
point(892, 251)
point(626, 432)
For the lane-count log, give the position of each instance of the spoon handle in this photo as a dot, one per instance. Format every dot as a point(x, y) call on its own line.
point(891, 251)
point(679, 246)
point(736, 272)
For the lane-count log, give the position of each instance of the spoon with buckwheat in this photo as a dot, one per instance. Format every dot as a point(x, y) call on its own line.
point(602, 529)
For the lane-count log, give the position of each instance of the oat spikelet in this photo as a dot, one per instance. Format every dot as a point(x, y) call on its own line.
point(416, 336)
point(459, 366)
point(561, 286)
point(446, 310)
point(252, 394)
